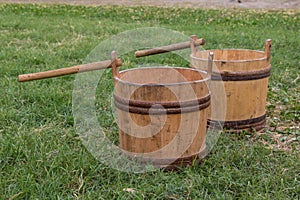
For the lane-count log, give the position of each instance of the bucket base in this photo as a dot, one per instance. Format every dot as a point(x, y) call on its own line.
point(170, 164)
point(254, 124)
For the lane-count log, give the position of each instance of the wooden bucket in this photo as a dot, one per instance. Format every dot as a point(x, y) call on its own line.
point(244, 74)
point(162, 114)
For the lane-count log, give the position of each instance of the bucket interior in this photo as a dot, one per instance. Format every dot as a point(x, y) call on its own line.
point(162, 76)
point(232, 55)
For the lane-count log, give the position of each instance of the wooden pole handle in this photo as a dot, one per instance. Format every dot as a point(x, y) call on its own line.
point(168, 48)
point(69, 70)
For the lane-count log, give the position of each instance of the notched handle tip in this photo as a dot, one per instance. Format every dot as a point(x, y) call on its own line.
point(200, 41)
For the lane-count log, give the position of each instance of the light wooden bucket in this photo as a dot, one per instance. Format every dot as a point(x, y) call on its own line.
point(244, 74)
point(162, 114)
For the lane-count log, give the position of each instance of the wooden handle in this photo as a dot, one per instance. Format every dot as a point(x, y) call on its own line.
point(210, 64)
point(268, 47)
point(69, 70)
point(164, 49)
point(193, 44)
point(115, 71)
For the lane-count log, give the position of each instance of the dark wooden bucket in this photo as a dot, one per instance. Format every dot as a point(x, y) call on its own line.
point(162, 114)
point(244, 74)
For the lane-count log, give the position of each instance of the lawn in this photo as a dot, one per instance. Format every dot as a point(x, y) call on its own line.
point(41, 156)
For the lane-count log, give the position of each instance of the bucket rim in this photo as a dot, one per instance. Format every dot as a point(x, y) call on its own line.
point(231, 61)
point(205, 79)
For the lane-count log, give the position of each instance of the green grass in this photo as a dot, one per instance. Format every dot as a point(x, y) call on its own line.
point(41, 156)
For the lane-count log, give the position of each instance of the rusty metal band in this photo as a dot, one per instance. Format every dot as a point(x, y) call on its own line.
point(242, 76)
point(159, 110)
point(253, 127)
point(176, 104)
point(255, 123)
point(155, 108)
point(169, 163)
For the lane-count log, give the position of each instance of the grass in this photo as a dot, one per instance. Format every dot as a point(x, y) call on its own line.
point(41, 156)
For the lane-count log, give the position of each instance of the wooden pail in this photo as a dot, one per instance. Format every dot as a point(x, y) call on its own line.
point(162, 114)
point(244, 74)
